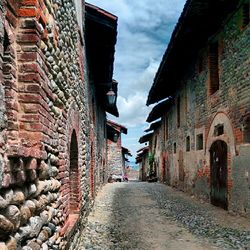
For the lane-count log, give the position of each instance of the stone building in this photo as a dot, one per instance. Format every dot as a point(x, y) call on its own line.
point(125, 154)
point(142, 160)
point(52, 119)
point(115, 151)
point(203, 84)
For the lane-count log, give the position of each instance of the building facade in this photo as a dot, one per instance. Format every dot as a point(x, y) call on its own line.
point(204, 77)
point(51, 161)
point(142, 160)
point(116, 155)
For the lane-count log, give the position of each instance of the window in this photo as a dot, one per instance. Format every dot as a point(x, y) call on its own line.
point(246, 130)
point(174, 147)
point(178, 111)
point(213, 68)
point(199, 142)
point(245, 15)
point(219, 130)
point(6, 42)
point(188, 143)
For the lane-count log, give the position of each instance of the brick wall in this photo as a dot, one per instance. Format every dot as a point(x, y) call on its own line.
point(44, 125)
point(202, 112)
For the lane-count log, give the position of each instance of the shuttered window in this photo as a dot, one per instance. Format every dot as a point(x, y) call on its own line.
point(213, 68)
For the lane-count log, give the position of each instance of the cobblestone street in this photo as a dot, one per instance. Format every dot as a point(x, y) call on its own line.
point(138, 215)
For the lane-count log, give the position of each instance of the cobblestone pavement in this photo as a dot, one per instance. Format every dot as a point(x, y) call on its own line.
point(138, 215)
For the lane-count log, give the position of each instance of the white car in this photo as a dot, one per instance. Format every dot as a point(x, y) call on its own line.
point(117, 177)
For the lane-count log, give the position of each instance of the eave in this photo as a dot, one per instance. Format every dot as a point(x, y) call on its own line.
point(126, 151)
point(120, 128)
point(199, 21)
point(145, 138)
point(159, 110)
point(100, 40)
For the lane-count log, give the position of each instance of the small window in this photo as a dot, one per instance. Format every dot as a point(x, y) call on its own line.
point(245, 15)
point(213, 68)
point(199, 142)
point(6, 42)
point(219, 130)
point(178, 111)
point(175, 148)
point(246, 130)
point(188, 143)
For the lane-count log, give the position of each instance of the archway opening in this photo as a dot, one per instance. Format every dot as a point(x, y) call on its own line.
point(74, 177)
point(219, 174)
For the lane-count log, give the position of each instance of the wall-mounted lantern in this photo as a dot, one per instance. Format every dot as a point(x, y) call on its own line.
point(111, 97)
point(116, 136)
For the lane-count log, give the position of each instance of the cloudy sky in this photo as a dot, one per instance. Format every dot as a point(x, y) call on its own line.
point(144, 30)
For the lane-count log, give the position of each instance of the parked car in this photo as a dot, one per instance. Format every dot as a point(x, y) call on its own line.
point(117, 177)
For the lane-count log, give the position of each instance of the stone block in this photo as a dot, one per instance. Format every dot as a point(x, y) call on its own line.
point(6, 226)
point(12, 213)
point(18, 197)
point(11, 243)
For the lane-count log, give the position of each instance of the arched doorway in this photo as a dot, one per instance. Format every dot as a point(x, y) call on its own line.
point(218, 174)
point(74, 177)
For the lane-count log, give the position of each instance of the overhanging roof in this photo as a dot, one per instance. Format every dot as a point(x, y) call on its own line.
point(100, 36)
point(126, 151)
point(153, 126)
point(138, 160)
point(142, 152)
point(118, 127)
point(142, 149)
point(145, 138)
point(199, 20)
point(159, 109)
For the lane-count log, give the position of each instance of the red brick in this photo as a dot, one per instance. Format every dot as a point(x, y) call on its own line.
point(27, 12)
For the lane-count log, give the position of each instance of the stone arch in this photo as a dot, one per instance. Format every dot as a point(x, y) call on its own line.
point(71, 190)
point(227, 136)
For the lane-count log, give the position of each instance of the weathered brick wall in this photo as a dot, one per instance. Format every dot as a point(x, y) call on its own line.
point(201, 112)
point(45, 137)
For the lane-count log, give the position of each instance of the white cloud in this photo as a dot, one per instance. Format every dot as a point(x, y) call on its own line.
point(144, 29)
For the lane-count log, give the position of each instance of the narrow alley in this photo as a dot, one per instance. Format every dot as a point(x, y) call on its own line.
point(124, 124)
point(139, 215)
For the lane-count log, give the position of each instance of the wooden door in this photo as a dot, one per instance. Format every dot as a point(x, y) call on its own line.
point(218, 166)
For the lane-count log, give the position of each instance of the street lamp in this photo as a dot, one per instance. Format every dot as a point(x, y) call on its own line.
point(111, 97)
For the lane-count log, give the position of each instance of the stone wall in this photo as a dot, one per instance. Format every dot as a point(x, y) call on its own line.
point(115, 162)
point(201, 112)
point(45, 132)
